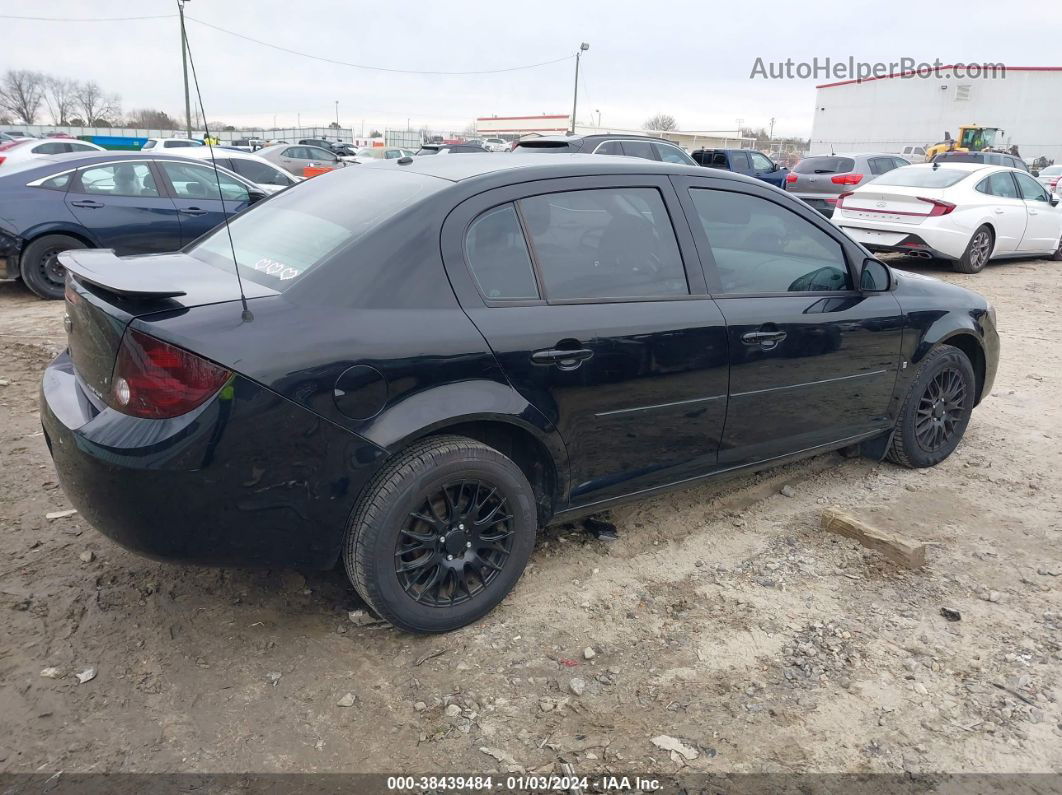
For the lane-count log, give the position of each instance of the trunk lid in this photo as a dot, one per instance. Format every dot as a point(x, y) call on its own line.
point(890, 204)
point(104, 293)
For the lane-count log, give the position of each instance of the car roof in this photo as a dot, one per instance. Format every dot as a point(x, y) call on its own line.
point(71, 160)
point(456, 169)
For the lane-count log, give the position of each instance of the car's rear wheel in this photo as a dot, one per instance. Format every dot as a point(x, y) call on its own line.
point(978, 251)
point(441, 535)
point(40, 267)
point(937, 409)
point(1057, 256)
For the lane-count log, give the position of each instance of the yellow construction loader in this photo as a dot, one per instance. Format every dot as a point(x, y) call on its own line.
point(972, 138)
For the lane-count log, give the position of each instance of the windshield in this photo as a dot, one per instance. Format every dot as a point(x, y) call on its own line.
point(281, 240)
point(922, 177)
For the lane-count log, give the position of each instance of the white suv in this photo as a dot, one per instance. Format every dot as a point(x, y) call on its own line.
point(170, 143)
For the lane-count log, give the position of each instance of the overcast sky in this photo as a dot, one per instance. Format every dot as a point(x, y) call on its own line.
point(691, 60)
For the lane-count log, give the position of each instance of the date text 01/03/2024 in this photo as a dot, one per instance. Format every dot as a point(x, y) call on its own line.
point(520, 783)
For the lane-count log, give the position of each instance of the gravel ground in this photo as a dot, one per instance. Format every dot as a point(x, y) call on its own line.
point(722, 618)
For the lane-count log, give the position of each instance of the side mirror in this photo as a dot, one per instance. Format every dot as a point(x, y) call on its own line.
point(874, 276)
point(1054, 199)
point(254, 196)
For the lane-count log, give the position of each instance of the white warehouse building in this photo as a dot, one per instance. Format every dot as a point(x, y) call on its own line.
point(887, 113)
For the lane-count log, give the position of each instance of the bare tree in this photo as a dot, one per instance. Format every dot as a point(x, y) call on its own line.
point(21, 93)
point(662, 122)
point(151, 119)
point(59, 96)
point(97, 107)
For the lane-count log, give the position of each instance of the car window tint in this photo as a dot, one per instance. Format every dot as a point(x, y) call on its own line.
point(148, 145)
point(58, 182)
point(119, 179)
point(1031, 189)
point(999, 185)
point(879, 165)
point(760, 162)
point(81, 148)
point(672, 154)
point(260, 173)
point(201, 182)
point(498, 257)
point(760, 247)
point(317, 153)
point(177, 144)
point(739, 161)
point(609, 148)
point(642, 149)
point(604, 243)
point(295, 153)
point(49, 148)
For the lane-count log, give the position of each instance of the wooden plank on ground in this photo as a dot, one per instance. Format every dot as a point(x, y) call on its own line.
point(900, 550)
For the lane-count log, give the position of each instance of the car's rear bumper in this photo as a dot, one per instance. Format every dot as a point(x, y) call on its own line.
point(909, 239)
point(248, 478)
point(817, 201)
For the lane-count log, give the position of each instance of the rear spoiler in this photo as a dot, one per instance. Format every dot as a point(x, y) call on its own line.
point(132, 278)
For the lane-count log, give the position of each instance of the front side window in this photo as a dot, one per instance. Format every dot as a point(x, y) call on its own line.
point(760, 162)
point(119, 179)
point(761, 247)
point(316, 153)
point(498, 257)
point(1031, 190)
point(201, 182)
point(672, 154)
point(604, 243)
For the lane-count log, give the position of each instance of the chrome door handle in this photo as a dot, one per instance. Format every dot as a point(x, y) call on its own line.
point(764, 338)
point(562, 359)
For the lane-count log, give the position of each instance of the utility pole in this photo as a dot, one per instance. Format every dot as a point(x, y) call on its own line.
point(337, 116)
point(184, 62)
point(770, 135)
point(575, 97)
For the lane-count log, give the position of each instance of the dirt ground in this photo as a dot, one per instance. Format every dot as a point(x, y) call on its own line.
point(742, 630)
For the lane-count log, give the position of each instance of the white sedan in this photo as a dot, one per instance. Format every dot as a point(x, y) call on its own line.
point(267, 176)
point(18, 151)
point(968, 213)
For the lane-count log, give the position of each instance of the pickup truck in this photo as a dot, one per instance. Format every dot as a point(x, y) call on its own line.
point(743, 161)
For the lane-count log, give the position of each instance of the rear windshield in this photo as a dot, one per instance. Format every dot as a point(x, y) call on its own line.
point(553, 147)
point(825, 164)
point(285, 237)
point(961, 157)
point(921, 177)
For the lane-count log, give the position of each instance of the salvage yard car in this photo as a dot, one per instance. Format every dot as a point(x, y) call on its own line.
point(131, 202)
point(438, 356)
point(820, 179)
point(966, 213)
point(642, 146)
point(743, 161)
point(13, 152)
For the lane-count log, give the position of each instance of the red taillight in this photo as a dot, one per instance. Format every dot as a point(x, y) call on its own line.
point(939, 207)
point(842, 197)
point(847, 179)
point(1052, 181)
point(9, 145)
point(791, 178)
point(2, 159)
point(155, 380)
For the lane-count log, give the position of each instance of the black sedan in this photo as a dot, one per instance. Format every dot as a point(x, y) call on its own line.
point(132, 203)
point(438, 356)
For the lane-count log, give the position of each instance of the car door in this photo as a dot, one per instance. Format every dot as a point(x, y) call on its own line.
point(322, 158)
point(591, 300)
point(122, 207)
point(295, 159)
point(739, 162)
point(763, 168)
point(1008, 213)
point(200, 205)
point(1044, 223)
point(813, 360)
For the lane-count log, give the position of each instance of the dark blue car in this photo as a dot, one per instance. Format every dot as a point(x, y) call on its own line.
point(130, 202)
point(743, 161)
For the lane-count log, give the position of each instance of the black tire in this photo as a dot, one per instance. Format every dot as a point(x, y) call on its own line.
point(934, 417)
point(416, 504)
point(41, 272)
point(978, 251)
point(1057, 256)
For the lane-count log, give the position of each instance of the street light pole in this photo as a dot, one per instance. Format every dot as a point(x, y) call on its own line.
point(575, 97)
point(184, 62)
point(337, 116)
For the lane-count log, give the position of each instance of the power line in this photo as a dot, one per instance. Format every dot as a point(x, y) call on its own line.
point(300, 53)
point(377, 68)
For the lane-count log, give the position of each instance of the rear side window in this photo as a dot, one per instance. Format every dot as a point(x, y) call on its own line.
point(672, 154)
point(58, 182)
point(1001, 185)
point(879, 165)
point(825, 165)
point(604, 243)
point(609, 148)
point(50, 148)
point(119, 179)
point(642, 149)
point(760, 247)
point(498, 257)
point(177, 144)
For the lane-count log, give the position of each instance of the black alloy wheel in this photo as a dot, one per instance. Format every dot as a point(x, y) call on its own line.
point(441, 534)
point(455, 543)
point(937, 409)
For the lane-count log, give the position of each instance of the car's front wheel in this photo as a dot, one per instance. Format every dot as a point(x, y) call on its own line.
point(936, 411)
point(41, 271)
point(441, 535)
point(978, 251)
